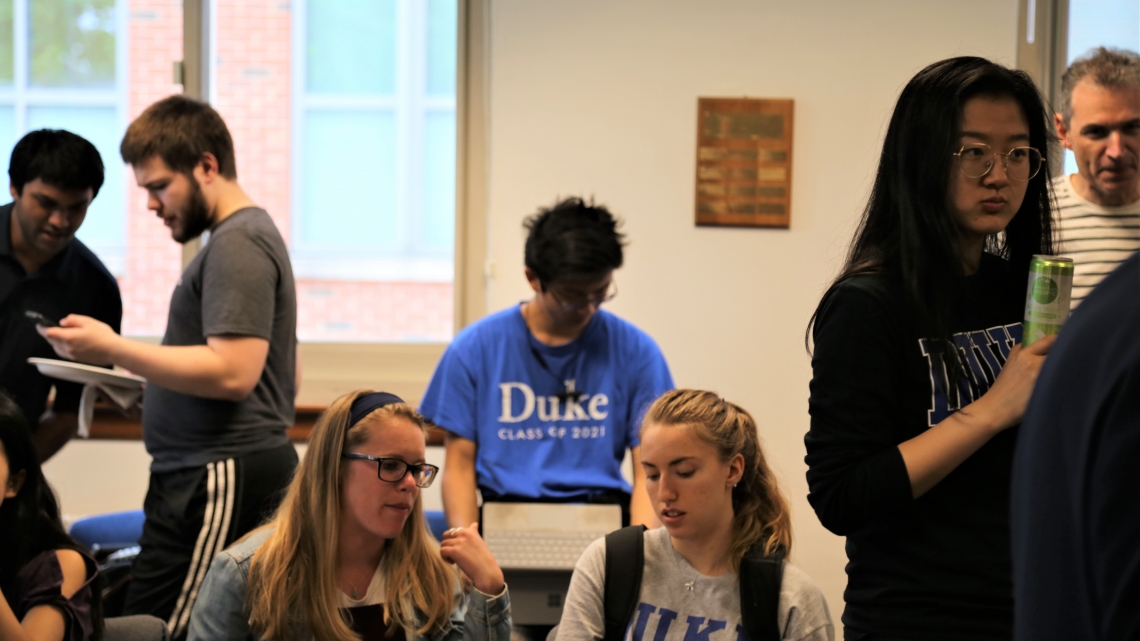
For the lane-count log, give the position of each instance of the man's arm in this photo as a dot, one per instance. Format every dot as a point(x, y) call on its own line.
point(640, 507)
point(459, 499)
point(54, 431)
point(225, 368)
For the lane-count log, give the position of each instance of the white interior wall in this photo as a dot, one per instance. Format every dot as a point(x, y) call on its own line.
point(599, 97)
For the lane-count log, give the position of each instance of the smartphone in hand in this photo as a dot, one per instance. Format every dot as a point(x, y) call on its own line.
point(40, 319)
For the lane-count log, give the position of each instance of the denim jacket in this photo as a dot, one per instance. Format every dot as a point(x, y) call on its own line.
point(220, 612)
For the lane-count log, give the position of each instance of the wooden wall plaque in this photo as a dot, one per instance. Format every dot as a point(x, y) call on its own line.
point(744, 162)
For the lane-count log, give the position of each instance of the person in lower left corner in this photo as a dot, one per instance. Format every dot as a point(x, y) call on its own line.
point(49, 583)
point(724, 544)
point(348, 555)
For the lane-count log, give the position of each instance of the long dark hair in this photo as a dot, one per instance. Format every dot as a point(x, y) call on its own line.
point(907, 231)
point(29, 522)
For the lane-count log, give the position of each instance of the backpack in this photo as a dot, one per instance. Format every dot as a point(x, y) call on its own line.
point(760, 580)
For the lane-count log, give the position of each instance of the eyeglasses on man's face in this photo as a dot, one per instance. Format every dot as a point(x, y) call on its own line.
point(1019, 163)
point(572, 299)
point(393, 470)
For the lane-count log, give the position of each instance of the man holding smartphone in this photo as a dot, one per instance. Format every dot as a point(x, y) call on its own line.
point(220, 387)
point(46, 273)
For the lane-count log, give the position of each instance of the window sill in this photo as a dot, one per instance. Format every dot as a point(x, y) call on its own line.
point(110, 424)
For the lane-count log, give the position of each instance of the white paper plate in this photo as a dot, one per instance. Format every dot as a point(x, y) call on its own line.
point(86, 374)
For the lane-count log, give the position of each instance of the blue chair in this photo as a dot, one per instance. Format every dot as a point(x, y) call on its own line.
point(114, 530)
point(436, 523)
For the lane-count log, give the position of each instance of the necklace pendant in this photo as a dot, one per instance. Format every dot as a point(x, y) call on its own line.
point(690, 585)
point(356, 594)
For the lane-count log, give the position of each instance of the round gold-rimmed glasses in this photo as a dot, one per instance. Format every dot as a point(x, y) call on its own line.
point(1020, 163)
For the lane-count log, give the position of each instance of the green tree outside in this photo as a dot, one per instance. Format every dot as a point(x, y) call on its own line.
point(72, 43)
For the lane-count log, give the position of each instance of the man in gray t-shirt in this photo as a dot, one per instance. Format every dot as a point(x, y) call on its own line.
point(220, 388)
point(240, 284)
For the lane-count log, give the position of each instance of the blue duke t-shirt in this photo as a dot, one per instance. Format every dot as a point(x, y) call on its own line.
point(491, 388)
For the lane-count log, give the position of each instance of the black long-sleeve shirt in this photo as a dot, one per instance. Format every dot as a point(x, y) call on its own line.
point(1075, 512)
point(936, 567)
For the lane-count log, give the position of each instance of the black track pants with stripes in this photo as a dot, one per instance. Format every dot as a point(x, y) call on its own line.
point(191, 515)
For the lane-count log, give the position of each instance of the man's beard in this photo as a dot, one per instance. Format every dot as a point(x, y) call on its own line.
point(195, 217)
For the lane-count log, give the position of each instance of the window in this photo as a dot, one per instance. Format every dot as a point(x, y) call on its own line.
point(89, 66)
point(352, 105)
point(1096, 23)
point(346, 138)
point(62, 65)
point(1053, 33)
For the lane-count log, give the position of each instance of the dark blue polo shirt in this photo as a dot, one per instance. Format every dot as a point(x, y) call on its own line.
point(74, 282)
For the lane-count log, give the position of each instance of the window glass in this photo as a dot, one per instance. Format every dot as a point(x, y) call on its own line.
point(350, 180)
point(1096, 23)
point(351, 46)
point(350, 105)
point(104, 229)
point(7, 63)
point(72, 43)
point(438, 229)
point(7, 136)
point(442, 29)
point(89, 67)
point(1109, 23)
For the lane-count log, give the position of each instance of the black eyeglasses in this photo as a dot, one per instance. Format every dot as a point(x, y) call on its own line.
point(1020, 163)
point(579, 301)
point(393, 470)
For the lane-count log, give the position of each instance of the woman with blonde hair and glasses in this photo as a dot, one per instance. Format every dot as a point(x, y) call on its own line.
point(347, 556)
point(727, 532)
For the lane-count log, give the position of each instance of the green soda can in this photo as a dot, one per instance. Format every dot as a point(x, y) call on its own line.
point(1047, 301)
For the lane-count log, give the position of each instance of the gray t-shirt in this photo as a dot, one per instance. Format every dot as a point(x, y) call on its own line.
point(240, 284)
point(670, 611)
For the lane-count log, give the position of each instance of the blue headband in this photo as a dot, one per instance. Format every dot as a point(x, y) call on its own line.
point(368, 403)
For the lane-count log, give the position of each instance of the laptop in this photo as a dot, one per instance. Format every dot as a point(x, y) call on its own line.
point(537, 546)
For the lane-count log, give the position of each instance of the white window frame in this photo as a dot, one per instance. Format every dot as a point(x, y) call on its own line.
point(1042, 43)
point(332, 369)
point(21, 96)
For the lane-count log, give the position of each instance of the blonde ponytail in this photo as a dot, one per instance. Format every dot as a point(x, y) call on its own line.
point(760, 512)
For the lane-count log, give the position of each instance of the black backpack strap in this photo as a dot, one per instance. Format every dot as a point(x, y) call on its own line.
point(760, 581)
point(625, 560)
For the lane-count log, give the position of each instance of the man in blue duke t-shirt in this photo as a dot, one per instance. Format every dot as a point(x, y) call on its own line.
point(542, 400)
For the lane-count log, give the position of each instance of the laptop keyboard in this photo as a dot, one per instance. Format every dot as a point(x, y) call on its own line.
point(539, 550)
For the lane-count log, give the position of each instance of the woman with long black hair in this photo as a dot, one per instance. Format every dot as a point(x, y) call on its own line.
point(918, 373)
point(48, 581)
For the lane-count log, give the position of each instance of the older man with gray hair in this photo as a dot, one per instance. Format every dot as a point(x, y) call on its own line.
point(1099, 206)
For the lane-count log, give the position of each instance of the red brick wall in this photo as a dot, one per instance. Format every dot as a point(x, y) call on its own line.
point(252, 92)
point(153, 259)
